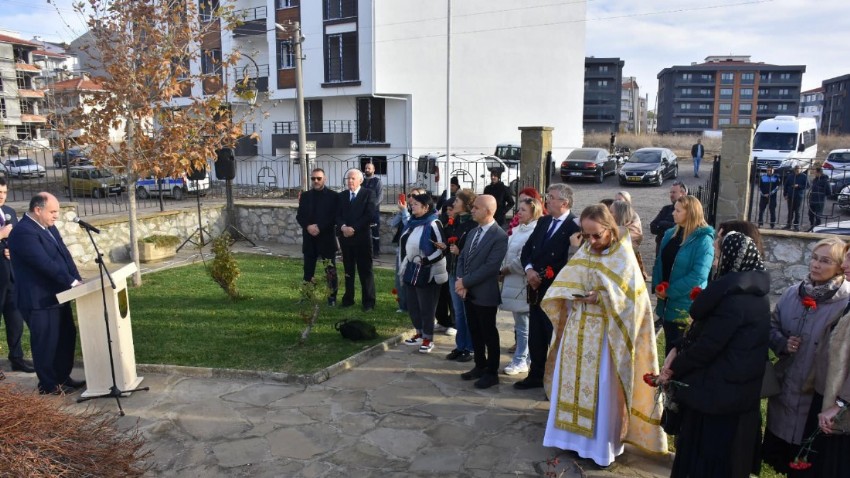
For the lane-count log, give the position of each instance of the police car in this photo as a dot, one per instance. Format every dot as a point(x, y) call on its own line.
point(177, 188)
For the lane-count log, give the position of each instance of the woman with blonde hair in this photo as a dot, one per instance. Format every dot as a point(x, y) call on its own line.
point(683, 262)
point(799, 325)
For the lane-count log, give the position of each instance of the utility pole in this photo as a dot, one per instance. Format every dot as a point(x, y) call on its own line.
point(448, 89)
point(294, 29)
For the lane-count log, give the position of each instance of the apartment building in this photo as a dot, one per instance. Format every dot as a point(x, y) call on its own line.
point(21, 103)
point(375, 74)
point(836, 107)
point(811, 104)
point(603, 84)
point(725, 90)
point(632, 107)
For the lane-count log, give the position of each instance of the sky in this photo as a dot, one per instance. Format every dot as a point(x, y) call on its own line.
point(649, 35)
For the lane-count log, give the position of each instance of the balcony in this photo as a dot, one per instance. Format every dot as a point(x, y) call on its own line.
point(775, 97)
point(253, 22)
point(30, 118)
point(31, 94)
point(692, 96)
point(793, 81)
point(695, 81)
point(326, 134)
point(261, 77)
point(26, 67)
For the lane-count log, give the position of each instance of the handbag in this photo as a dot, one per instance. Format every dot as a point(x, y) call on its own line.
point(416, 273)
point(770, 384)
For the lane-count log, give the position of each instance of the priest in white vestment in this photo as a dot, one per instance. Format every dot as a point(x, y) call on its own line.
point(605, 343)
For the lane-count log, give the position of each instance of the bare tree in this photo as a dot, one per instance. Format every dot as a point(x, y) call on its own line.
point(151, 51)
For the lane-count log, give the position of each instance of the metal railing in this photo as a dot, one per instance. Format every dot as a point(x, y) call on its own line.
point(256, 13)
point(324, 126)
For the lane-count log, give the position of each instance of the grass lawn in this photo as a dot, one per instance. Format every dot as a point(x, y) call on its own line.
point(181, 317)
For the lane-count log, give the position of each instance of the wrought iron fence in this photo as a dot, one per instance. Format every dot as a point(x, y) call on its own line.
point(708, 193)
point(775, 204)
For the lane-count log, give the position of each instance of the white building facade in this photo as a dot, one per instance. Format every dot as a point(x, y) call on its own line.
point(375, 75)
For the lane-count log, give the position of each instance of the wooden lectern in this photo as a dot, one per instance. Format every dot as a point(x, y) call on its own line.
point(93, 332)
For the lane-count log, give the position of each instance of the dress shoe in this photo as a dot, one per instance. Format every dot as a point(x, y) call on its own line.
point(367, 308)
point(58, 390)
point(487, 381)
point(70, 382)
point(528, 384)
point(22, 366)
point(454, 354)
point(473, 374)
point(465, 356)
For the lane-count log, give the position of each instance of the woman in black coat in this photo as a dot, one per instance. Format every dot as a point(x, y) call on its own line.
point(721, 358)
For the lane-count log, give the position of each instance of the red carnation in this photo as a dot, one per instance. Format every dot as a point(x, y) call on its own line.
point(451, 221)
point(452, 240)
point(650, 379)
point(662, 287)
point(549, 273)
point(395, 291)
point(799, 464)
point(809, 303)
point(695, 292)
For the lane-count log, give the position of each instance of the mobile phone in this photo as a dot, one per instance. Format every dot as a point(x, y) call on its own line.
point(579, 296)
point(402, 198)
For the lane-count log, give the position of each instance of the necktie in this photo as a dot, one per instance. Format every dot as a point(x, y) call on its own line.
point(475, 240)
point(552, 229)
point(352, 197)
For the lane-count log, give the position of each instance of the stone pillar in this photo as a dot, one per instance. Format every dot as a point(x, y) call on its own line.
point(734, 194)
point(536, 142)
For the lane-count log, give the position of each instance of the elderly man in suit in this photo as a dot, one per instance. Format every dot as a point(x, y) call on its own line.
point(43, 267)
point(478, 285)
point(545, 253)
point(317, 216)
point(8, 305)
point(355, 212)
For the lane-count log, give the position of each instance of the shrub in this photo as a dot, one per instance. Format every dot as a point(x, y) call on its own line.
point(42, 438)
point(161, 240)
point(224, 269)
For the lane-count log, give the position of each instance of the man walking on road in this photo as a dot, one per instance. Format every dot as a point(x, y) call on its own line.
point(697, 152)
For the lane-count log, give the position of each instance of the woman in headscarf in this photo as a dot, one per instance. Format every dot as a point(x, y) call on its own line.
point(799, 320)
point(721, 360)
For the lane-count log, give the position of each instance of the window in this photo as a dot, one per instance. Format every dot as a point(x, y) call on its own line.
point(280, 4)
point(782, 107)
point(313, 116)
point(26, 131)
point(705, 77)
point(380, 163)
point(722, 121)
point(745, 121)
point(337, 9)
point(687, 91)
point(762, 108)
point(687, 76)
point(285, 54)
point(745, 107)
point(702, 121)
point(704, 106)
point(341, 58)
point(27, 108)
point(211, 62)
point(370, 120)
point(705, 92)
point(782, 92)
point(748, 78)
point(785, 76)
point(764, 76)
point(207, 9)
point(686, 106)
point(725, 92)
point(1, 83)
point(602, 83)
point(763, 91)
point(725, 107)
point(603, 68)
point(810, 137)
point(685, 121)
point(2, 108)
point(727, 77)
point(746, 93)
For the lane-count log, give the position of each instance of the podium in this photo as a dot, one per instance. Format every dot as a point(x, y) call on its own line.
point(93, 333)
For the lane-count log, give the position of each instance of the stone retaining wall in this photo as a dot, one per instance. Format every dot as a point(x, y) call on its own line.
point(787, 256)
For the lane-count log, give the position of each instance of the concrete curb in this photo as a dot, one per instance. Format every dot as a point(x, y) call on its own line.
point(303, 379)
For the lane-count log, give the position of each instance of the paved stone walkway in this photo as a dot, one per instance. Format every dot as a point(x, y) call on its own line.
point(400, 414)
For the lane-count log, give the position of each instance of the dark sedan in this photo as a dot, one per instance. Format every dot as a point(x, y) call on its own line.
point(590, 163)
point(649, 166)
point(75, 156)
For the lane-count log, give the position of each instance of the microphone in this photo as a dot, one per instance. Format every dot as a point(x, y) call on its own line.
point(86, 225)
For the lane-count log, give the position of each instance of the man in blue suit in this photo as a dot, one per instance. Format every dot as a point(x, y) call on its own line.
point(355, 211)
point(544, 255)
point(8, 305)
point(43, 267)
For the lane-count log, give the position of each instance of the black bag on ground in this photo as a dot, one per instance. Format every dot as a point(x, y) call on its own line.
point(356, 329)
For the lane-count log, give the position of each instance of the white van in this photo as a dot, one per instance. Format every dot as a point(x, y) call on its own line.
point(784, 142)
point(434, 171)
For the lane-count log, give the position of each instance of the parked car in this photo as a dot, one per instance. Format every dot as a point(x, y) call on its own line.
point(837, 169)
point(649, 166)
point(94, 182)
point(840, 227)
point(177, 188)
point(588, 163)
point(76, 157)
point(24, 168)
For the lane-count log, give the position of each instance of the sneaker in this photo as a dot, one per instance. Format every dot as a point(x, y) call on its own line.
point(415, 340)
point(514, 369)
point(439, 328)
point(400, 311)
point(426, 346)
point(451, 331)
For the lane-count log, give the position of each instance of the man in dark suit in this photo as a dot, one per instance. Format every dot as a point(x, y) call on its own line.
point(8, 306)
point(478, 285)
point(545, 253)
point(317, 216)
point(43, 267)
point(501, 193)
point(373, 182)
point(355, 212)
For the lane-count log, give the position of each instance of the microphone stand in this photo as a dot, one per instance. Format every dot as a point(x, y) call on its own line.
point(114, 392)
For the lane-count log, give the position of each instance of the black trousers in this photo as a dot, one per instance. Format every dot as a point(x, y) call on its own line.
point(357, 260)
point(485, 336)
point(794, 203)
point(768, 203)
point(815, 212)
point(14, 321)
point(311, 257)
point(53, 338)
point(444, 313)
point(539, 337)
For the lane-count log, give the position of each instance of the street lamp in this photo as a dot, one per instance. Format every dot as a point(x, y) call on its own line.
point(294, 29)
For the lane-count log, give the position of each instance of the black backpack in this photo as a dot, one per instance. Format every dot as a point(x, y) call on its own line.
point(356, 329)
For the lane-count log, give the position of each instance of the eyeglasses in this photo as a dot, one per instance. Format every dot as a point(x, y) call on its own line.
point(317, 179)
point(550, 197)
point(823, 260)
point(597, 236)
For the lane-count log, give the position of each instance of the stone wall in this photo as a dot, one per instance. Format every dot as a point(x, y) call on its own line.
point(114, 238)
point(787, 256)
